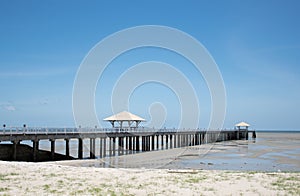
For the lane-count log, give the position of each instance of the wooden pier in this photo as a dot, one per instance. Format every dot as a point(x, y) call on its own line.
point(116, 142)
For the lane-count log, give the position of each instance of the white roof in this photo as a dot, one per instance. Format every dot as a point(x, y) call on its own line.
point(242, 124)
point(124, 116)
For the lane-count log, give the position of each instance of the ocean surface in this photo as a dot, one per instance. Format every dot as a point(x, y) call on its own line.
point(270, 151)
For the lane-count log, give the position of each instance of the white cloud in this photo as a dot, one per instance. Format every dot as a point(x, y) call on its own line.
point(10, 108)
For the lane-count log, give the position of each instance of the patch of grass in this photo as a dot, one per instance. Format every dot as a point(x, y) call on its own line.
point(60, 182)
point(3, 189)
point(46, 187)
point(52, 175)
point(96, 190)
point(289, 184)
point(209, 189)
point(112, 193)
point(3, 177)
point(79, 184)
point(78, 192)
point(53, 191)
point(133, 178)
point(195, 179)
point(293, 178)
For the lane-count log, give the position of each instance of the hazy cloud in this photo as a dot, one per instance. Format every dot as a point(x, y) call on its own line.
point(10, 108)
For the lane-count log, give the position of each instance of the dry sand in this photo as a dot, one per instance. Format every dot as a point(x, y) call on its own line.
point(19, 178)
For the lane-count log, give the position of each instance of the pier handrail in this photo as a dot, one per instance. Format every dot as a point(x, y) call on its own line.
point(65, 130)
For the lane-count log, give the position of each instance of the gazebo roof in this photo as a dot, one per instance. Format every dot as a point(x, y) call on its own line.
point(124, 116)
point(242, 124)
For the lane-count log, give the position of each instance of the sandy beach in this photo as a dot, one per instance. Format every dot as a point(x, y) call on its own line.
point(20, 178)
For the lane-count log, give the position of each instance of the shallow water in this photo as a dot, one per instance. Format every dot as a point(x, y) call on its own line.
point(269, 152)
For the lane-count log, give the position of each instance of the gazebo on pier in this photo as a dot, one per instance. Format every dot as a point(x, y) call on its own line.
point(124, 120)
point(242, 126)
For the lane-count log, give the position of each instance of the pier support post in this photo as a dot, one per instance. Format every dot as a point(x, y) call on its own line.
point(120, 146)
point(253, 134)
point(92, 148)
point(101, 147)
point(80, 148)
point(143, 143)
point(67, 147)
point(148, 143)
point(152, 142)
point(15, 144)
point(133, 144)
point(104, 147)
point(137, 143)
point(130, 143)
point(35, 146)
point(110, 146)
point(167, 141)
point(175, 142)
point(52, 148)
point(114, 146)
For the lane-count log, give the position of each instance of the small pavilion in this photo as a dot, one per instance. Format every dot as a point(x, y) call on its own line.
point(242, 126)
point(125, 120)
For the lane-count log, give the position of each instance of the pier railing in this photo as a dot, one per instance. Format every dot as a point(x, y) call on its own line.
point(20, 130)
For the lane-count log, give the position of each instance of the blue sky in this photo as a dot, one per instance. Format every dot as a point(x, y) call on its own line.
point(256, 45)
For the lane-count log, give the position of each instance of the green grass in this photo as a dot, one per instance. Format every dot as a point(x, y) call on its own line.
point(209, 189)
point(46, 187)
point(3, 189)
point(96, 190)
point(289, 184)
point(3, 177)
point(51, 175)
point(195, 179)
